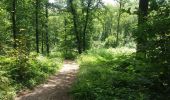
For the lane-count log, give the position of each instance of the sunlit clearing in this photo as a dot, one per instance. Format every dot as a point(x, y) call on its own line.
point(110, 2)
point(41, 58)
point(123, 50)
point(51, 1)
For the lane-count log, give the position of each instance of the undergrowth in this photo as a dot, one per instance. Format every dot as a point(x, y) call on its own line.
point(116, 74)
point(17, 74)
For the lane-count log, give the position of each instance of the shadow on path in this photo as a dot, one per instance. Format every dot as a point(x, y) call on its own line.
point(57, 87)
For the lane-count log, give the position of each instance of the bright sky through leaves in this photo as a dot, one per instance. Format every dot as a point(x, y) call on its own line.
point(51, 1)
point(112, 2)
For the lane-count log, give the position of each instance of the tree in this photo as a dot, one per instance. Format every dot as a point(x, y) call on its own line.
point(118, 21)
point(47, 37)
point(14, 22)
point(142, 18)
point(37, 25)
point(75, 21)
point(89, 2)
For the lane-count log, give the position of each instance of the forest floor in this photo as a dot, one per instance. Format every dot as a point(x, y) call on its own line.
point(56, 88)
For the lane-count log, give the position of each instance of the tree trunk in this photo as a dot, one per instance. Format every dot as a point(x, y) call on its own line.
point(37, 26)
point(86, 24)
point(14, 22)
point(65, 37)
point(118, 23)
point(73, 11)
point(47, 37)
point(42, 42)
point(142, 18)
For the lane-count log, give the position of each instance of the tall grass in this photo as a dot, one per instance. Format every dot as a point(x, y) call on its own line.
point(17, 74)
point(111, 74)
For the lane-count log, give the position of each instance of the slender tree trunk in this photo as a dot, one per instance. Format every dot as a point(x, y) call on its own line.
point(37, 26)
point(86, 24)
point(142, 18)
point(14, 23)
point(47, 35)
point(42, 42)
point(118, 23)
point(125, 34)
point(103, 33)
point(65, 37)
point(111, 20)
point(73, 11)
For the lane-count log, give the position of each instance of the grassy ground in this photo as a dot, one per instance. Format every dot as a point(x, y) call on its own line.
point(19, 73)
point(113, 74)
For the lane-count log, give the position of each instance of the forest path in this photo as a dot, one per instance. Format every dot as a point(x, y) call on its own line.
point(57, 87)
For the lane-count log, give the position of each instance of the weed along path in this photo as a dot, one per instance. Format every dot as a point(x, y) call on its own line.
point(57, 87)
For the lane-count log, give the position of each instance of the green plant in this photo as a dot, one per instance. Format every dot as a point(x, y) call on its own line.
point(116, 74)
point(6, 91)
point(110, 42)
point(25, 73)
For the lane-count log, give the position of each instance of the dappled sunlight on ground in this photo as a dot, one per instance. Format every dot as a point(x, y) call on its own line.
point(56, 88)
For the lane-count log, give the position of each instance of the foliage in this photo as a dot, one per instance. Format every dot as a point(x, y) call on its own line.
point(67, 27)
point(26, 73)
point(155, 31)
point(7, 92)
point(110, 42)
point(115, 74)
point(4, 29)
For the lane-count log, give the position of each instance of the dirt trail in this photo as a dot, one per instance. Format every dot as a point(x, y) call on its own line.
point(57, 87)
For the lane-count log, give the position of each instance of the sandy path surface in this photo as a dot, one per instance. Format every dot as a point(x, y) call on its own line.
point(57, 87)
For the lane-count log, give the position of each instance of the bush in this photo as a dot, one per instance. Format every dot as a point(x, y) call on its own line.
point(33, 70)
point(26, 72)
point(116, 74)
point(6, 91)
point(110, 42)
point(69, 55)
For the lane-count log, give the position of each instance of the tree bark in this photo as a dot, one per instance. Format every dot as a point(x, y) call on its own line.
point(47, 35)
point(74, 13)
point(118, 23)
point(86, 24)
point(142, 18)
point(65, 36)
point(37, 26)
point(42, 42)
point(14, 23)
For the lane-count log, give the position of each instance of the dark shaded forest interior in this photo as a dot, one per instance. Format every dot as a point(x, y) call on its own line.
point(122, 48)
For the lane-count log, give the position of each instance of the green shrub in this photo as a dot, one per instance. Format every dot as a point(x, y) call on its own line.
point(69, 55)
point(6, 91)
point(33, 70)
point(115, 74)
point(25, 72)
point(110, 42)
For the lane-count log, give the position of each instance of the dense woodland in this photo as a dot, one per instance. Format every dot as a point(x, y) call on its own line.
point(123, 49)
